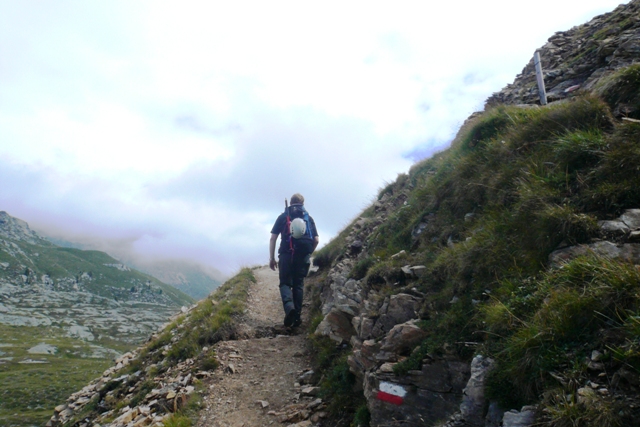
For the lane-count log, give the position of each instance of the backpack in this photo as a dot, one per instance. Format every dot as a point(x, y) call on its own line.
point(302, 246)
point(298, 211)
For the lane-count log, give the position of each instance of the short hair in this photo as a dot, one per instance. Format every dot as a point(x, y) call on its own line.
point(297, 199)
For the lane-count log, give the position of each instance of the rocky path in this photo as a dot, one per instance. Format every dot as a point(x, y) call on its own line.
point(262, 380)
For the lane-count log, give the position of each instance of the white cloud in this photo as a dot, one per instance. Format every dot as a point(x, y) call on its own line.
point(179, 127)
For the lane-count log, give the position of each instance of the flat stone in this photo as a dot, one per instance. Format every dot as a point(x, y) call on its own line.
point(513, 418)
point(307, 377)
point(399, 254)
point(631, 217)
point(407, 271)
point(595, 366)
point(627, 252)
point(615, 226)
point(419, 270)
point(66, 413)
point(387, 368)
point(314, 404)
point(144, 421)
point(310, 391)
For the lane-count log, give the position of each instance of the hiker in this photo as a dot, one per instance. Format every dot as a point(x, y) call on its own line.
point(298, 240)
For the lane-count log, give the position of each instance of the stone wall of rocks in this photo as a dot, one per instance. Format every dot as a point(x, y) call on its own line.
point(383, 330)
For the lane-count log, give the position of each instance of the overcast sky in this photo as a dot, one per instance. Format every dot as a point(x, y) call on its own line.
point(177, 128)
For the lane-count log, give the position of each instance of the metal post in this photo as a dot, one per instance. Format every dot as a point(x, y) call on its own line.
point(541, 90)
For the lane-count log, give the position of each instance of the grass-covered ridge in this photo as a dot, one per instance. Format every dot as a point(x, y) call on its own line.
point(185, 345)
point(484, 216)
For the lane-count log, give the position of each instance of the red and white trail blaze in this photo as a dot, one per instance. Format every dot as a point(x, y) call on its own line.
point(392, 393)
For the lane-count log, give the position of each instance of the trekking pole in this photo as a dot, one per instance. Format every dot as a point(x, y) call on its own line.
point(288, 227)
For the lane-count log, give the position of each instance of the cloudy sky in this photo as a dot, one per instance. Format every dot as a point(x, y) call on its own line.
point(177, 128)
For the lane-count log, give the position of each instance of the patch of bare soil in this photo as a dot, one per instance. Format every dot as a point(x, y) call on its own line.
point(263, 379)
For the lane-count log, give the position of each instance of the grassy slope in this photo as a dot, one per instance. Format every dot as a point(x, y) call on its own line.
point(532, 178)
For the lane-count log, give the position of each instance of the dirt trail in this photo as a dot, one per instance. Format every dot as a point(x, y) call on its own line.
point(257, 383)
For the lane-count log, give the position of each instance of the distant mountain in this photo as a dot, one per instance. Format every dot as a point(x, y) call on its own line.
point(104, 297)
point(81, 306)
point(195, 280)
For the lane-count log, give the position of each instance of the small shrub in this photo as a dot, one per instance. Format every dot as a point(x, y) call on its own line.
point(564, 410)
point(337, 388)
point(144, 389)
point(614, 184)
point(488, 126)
point(315, 321)
point(362, 417)
point(209, 363)
point(359, 271)
point(177, 420)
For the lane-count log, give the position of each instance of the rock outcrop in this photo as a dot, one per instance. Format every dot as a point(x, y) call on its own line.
point(577, 59)
point(623, 232)
point(17, 229)
point(382, 330)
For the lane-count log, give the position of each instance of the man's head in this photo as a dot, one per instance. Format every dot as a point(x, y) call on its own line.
point(297, 199)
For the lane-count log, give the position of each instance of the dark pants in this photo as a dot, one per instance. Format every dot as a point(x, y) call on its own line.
point(292, 274)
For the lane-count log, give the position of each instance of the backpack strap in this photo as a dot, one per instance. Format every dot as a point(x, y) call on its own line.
point(306, 220)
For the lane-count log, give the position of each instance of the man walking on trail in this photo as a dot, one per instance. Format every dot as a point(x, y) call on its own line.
point(299, 238)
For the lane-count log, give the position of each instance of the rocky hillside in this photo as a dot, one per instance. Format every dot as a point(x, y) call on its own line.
point(581, 60)
point(63, 308)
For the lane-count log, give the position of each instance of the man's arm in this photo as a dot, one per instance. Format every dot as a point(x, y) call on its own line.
point(272, 252)
point(316, 240)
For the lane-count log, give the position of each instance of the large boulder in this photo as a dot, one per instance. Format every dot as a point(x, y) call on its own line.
point(628, 252)
point(403, 337)
point(337, 326)
point(473, 402)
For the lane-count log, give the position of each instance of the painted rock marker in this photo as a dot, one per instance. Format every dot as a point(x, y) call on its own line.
point(392, 393)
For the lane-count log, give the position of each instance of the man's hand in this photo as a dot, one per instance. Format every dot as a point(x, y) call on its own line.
point(272, 252)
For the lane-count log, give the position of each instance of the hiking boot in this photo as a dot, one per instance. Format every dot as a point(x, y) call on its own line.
point(290, 318)
point(297, 321)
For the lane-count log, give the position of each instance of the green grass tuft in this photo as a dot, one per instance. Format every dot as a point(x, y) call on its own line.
point(621, 91)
